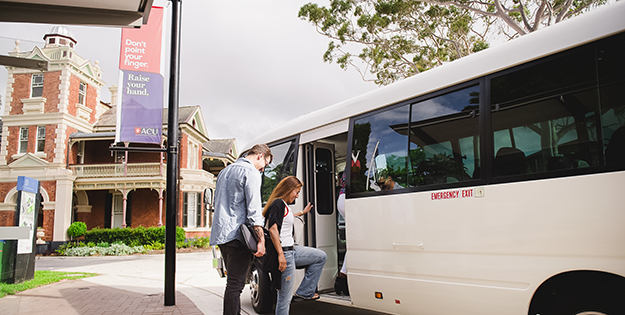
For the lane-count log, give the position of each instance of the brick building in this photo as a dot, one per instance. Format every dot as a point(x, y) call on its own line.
point(56, 129)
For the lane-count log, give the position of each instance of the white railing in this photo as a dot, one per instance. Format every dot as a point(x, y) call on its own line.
point(117, 170)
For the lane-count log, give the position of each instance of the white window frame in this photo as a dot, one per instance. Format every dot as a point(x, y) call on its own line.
point(35, 84)
point(192, 156)
point(82, 93)
point(23, 140)
point(41, 139)
point(190, 211)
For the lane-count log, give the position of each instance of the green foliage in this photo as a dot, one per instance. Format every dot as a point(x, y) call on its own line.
point(395, 39)
point(131, 236)
point(200, 242)
point(42, 277)
point(77, 229)
point(113, 250)
point(154, 246)
point(127, 241)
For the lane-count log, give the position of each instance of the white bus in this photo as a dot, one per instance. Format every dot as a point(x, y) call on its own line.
point(509, 172)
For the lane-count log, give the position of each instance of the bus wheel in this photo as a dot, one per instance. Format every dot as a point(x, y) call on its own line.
point(261, 293)
point(589, 304)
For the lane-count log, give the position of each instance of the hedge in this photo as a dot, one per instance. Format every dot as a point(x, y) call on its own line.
point(132, 236)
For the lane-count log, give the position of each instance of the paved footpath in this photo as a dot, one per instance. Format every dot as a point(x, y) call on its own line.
point(125, 285)
point(135, 285)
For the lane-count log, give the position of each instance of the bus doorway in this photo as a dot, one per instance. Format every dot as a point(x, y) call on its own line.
point(320, 191)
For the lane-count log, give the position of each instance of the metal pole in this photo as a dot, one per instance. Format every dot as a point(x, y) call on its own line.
point(172, 159)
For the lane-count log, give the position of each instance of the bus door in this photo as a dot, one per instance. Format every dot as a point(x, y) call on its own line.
point(321, 193)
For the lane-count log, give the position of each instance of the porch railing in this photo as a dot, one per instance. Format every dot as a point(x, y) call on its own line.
point(117, 170)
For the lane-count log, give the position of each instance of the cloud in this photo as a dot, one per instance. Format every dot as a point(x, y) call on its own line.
point(250, 65)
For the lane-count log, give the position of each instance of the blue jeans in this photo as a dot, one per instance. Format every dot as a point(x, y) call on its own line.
point(313, 259)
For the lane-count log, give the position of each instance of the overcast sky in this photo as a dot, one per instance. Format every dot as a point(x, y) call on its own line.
point(250, 65)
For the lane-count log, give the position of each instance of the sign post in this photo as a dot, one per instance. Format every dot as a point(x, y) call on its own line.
point(17, 262)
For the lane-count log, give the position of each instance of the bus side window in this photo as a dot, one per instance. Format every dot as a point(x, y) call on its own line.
point(380, 149)
point(444, 138)
point(558, 119)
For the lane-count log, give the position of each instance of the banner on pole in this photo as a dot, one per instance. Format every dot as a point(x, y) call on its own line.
point(141, 48)
point(140, 110)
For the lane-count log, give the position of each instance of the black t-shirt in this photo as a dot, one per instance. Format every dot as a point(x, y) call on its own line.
point(275, 214)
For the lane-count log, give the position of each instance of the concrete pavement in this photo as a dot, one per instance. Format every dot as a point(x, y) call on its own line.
point(126, 285)
point(135, 285)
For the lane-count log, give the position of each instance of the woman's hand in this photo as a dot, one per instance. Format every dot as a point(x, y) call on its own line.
point(306, 210)
point(281, 262)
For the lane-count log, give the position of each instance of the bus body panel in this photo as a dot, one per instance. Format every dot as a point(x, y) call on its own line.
point(439, 256)
point(481, 246)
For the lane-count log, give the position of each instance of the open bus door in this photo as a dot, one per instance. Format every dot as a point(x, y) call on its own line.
point(320, 191)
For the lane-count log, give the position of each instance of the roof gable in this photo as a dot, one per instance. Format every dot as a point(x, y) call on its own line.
point(28, 160)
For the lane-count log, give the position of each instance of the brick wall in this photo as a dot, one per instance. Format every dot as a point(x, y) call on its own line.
point(21, 90)
point(49, 148)
point(73, 154)
point(48, 224)
point(74, 86)
point(144, 157)
point(97, 202)
point(51, 83)
point(68, 133)
point(5, 188)
point(32, 139)
point(198, 234)
point(48, 214)
point(145, 208)
point(12, 138)
point(92, 102)
point(184, 148)
point(50, 188)
point(98, 152)
point(7, 218)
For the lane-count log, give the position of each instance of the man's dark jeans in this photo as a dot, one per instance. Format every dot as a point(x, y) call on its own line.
point(238, 260)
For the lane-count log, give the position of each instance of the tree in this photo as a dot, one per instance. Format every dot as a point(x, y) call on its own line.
point(77, 229)
point(403, 38)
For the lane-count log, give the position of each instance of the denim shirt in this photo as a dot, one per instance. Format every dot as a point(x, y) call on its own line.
point(237, 201)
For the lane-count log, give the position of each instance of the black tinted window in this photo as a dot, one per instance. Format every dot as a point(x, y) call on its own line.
point(560, 114)
point(379, 151)
point(283, 165)
point(444, 138)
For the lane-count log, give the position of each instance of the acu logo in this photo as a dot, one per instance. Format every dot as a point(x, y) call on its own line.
point(146, 131)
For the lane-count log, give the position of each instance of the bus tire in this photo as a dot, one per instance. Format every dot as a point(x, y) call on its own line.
point(261, 293)
point(596, 303)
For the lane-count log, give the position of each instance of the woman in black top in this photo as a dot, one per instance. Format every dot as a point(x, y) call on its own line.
point(280, 220)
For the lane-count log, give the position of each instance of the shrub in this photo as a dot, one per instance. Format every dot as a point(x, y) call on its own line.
point(201, 242)
point(154, 246)
point(77, 229)
point(132, 236)
point(113, 250)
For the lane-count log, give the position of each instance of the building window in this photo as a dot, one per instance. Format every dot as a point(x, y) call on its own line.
point(41, 138)
point(52, 41)
point(23, 139)
point(191, 204)
point(37, 85)
point(82, 93)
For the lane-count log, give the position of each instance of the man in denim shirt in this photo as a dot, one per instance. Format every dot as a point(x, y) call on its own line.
point(237, 201)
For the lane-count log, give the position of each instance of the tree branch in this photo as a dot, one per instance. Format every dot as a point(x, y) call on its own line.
point(565, 7)
point(501, 13)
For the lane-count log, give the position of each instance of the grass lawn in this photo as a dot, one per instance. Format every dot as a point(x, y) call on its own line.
point(42, 277)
